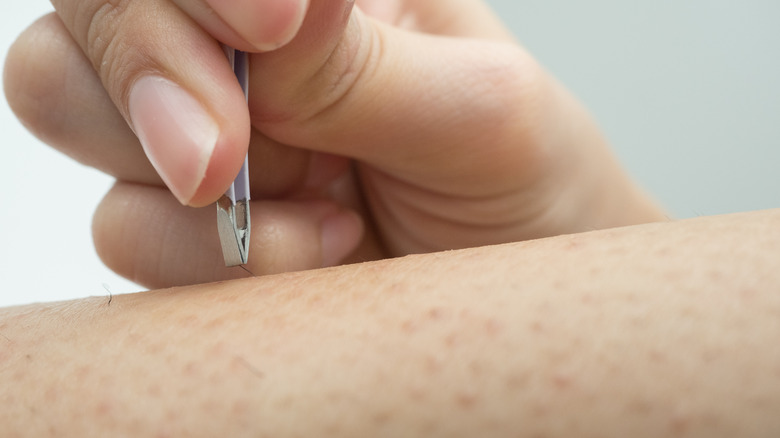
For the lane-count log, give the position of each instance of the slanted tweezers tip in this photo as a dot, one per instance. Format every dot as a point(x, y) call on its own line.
point(234, 225)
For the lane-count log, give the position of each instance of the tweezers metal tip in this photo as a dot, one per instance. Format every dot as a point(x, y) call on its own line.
point(234, 226)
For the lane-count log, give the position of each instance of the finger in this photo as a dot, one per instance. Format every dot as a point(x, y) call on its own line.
point(449, 114)
point(143, 234)
point(169, 79)
point(56, 93)
point(249, 25)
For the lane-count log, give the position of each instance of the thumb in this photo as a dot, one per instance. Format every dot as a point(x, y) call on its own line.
point(426, 109)
point(170, 80)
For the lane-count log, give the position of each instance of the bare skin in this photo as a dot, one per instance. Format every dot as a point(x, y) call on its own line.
point(666, 329)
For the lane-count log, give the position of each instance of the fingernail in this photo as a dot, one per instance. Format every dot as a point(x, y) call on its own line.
point(176, 132)
point(341, 234)
point(265, 25)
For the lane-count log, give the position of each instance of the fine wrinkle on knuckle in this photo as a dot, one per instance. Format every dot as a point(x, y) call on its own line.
point(114, 45)
point(510, 76)
point(350, 65)
point(100, 22)
point(519, 100)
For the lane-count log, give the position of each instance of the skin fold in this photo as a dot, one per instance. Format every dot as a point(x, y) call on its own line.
point(655, 330)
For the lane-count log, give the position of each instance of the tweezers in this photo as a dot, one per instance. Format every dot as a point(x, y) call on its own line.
point(233, 219)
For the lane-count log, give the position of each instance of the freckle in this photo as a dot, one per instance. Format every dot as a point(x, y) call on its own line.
point(409, 326)
point(81, 373)
point(418, 394)
point(155, 390)
point(640, 406)
point(586, 299)
point(493, 327)
point(450, 340)
point(154, 348)
point(381, 417)
point(240, 408)
point(517, 381)
point(103, 409)
point(432, 365)
point(190, 369)
point(284, 403)
point(657, 356)
point(332, 429)
point(572, 244)
point(435, 313)
point(679, 423)
point(217, 349)
point(747, 293)
point(466, 400)
point(540, 410)
point(562, 381)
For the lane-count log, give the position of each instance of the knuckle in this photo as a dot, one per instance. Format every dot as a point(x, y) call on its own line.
point(334, 79)
point(100, 29)
point(511, 77)
point(113, 47)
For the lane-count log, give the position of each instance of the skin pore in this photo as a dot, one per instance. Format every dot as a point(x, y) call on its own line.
point(667, 329)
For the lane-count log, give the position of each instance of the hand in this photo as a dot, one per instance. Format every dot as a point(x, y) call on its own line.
point(408, 127)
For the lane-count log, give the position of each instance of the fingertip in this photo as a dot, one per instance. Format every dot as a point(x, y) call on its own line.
point(340, 235)
point(264, 25)
point(223, 166)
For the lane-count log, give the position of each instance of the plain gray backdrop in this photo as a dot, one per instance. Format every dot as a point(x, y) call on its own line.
point(686, 90)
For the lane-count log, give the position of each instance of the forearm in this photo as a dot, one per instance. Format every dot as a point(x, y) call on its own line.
point(644, 331)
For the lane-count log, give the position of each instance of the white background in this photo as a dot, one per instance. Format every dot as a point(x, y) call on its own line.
point(687, 91)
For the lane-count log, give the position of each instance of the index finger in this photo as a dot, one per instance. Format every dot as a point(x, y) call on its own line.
point(170, 81)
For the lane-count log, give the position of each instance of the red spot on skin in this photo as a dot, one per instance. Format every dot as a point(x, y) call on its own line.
point(466, 400)
point(450, 340)
point(418, 394)
point(540, 410)
point(435, 313)
point(679, 423)
point(517, 381)
point(409, 326)
point(381, 417)
point(656, 356)
point(537, 327)
point(748, 293)
point(103, 409)
point(155, 390)
point(493, 327)
point(562, 381)
point(432, 365)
